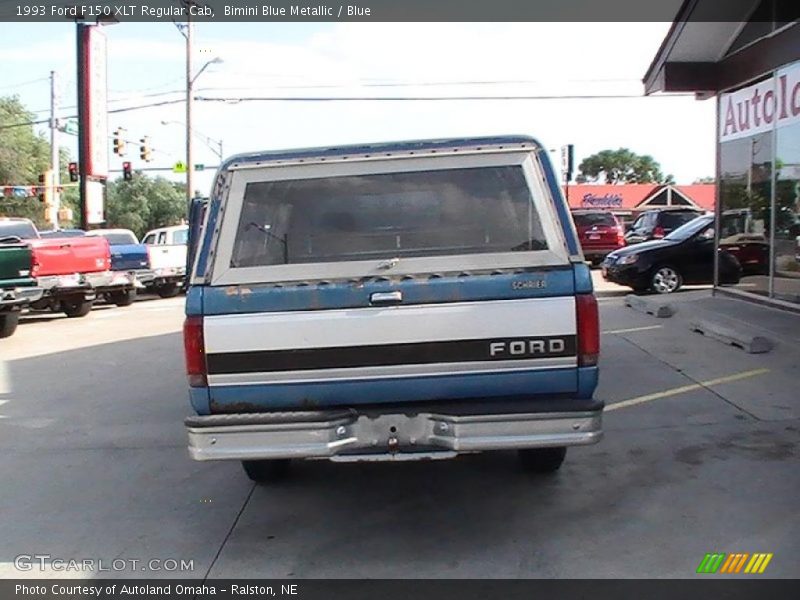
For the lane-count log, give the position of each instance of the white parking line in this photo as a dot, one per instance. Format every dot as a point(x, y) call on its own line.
point(685, 388)
point(630, 329)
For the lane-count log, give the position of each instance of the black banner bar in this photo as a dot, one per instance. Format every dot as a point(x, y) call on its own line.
point(383, 589)
point(598, 11)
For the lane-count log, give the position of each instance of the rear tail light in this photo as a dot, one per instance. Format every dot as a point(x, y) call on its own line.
point(35, 265)
point(588, 329)
point(658, 232)
point(194, 351)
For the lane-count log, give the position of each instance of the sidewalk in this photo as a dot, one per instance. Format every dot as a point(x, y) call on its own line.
point(782, 326)
point(605, 289)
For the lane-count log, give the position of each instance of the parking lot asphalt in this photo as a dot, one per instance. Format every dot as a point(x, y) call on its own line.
point(700, 455)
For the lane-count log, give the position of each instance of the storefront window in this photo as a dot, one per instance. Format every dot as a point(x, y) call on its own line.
point(759, 183)
point(745, 191)
point(786, 267)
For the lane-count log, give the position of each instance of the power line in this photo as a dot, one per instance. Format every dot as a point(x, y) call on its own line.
point(24, 83)
point(25, 124)
point(432, 83)
point(361, 85)
point(44, 110)
point(115, 110)
point(236, 100)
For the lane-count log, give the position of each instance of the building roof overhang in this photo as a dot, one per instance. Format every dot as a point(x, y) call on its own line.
point(692, 57)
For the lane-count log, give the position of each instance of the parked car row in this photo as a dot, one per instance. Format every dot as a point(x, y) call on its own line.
point(666, 248)
point(67, 271)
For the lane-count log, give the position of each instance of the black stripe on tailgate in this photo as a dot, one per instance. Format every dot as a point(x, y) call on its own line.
point(522, 348)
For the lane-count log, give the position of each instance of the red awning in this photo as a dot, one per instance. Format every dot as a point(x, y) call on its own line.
point(631, 196)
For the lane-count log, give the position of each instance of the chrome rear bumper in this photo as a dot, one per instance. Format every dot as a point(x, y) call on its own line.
point(19, 296)
point(346, 435)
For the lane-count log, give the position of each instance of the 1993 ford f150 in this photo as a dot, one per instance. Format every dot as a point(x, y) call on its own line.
point(390, 302)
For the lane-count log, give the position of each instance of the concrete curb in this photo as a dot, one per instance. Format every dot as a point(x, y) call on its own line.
point(648, 306)
point(611, 293)
point(753, 344)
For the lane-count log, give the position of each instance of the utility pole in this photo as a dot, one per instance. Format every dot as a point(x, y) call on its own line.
point(54, 158)
point(83, 116)
point(189, 95)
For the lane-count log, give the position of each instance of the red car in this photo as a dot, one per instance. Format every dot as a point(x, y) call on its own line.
point(599, 232)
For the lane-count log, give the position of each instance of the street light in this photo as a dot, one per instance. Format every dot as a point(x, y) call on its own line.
point(189, 101)
point(214, 61)
point(186, 31)
point(216, 148)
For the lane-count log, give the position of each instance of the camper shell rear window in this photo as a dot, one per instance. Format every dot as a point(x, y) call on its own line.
point(384, 216)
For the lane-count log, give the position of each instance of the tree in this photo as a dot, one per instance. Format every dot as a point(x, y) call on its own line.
point(24, 155)
point(705, 180)
point(144, 203)
point(621, 166)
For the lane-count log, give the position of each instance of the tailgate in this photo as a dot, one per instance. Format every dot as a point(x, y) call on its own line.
point(129, 257)
point(65, 256)
point(15, 263)
point(493, 336)
point(599, 236)
point(167, 257)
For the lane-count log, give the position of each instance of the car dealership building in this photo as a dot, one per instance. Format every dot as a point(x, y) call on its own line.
point(749, 66)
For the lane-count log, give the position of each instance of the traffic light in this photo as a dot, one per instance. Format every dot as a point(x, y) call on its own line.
point(42, 189)
point(144, 149)
point(127, 173)
point(45, 191)
point(119, 141)
point(73, 172)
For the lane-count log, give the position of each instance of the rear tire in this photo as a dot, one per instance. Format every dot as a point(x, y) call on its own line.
point(76, 308)
point(125, 298)
point(8, 324)
point(168, 290)
point(542, 460)
point(266, 471)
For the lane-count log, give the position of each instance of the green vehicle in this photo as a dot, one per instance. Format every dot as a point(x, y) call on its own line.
point(17, 285)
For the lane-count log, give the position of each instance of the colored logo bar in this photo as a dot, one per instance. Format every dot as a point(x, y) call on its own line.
point(737, 562)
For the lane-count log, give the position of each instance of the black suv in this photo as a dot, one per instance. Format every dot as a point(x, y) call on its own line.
point(657, 223)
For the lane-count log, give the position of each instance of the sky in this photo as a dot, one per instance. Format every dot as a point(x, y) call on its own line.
point(146, 65)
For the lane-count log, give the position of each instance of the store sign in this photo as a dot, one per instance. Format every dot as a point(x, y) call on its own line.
point(769, 104)
point(95, 97)
point(605, 201)
point(95, 212)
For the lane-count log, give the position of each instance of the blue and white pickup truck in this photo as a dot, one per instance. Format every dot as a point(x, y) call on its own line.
point(398, 301)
